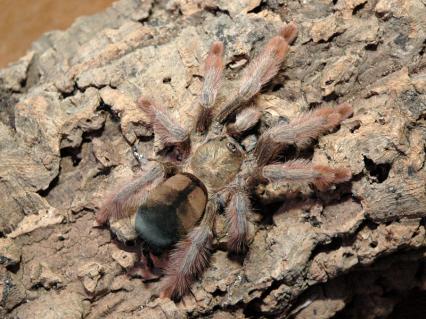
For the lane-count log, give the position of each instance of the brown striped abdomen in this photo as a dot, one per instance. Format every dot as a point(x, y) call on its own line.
point(171, 210)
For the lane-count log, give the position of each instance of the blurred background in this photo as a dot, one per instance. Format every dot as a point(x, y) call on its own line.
point(23, 21)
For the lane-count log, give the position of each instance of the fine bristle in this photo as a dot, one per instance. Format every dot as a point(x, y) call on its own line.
point(302, 171)
point(277, 48)
point(300, 131)
point(328, 176)
point(187, 262)
point(191, 256)
point(289, 32)
point(113, 207)
point(231, 107)
point(263, 67)
point(345, 110)
point(266, 150)
point(203, 120)
point(342, 174)
point(165, 129)
point(244, 121)
point(146, 105)
point(104, 213)
point(236, 213)
point(296, 170)
point(259, 72)
point(216, 48)
point(130, 195)
point(213, 68)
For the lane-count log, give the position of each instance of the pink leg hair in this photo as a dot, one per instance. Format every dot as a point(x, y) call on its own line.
point(165, 128)
point(244, 121)
point(261, 70)
point(131, 195)
point(213, 69)
point(289, 32)
point(300, 131)
point(236, 213)
point(303, 171)
point(190, 257)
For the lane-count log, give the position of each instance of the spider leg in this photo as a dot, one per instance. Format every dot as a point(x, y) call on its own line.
point(245, 120)
point(190, 257)
point(300, 131)
point(159, 262)
point(143, 269)
point(236, 213)
point(129, 197)
point(289, 32)
point(262, 69)
point(166, 129)
point(303, 171)
point(213, 69)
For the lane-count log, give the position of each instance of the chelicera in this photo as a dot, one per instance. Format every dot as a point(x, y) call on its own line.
point(173, 203)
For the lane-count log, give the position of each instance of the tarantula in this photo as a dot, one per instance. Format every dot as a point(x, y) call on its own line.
point(175, 200)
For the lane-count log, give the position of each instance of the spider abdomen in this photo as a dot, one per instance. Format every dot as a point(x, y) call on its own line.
point(171, 210)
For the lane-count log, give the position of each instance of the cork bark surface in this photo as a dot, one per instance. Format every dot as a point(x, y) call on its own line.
point(69, 126)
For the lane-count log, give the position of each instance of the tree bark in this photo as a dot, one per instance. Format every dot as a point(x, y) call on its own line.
point(69, 127)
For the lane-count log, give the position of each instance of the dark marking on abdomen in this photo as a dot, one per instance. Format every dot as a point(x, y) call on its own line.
point(171, 210)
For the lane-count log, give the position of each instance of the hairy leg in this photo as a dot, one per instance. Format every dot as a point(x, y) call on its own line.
point(244, 121)
point(166, 129)
point(143, 269)
point(236, 214)
point(300, 132)
point(303, 171)
point(190, 257)
point(213, 68)
point(131, 195)
point(160, 262)
point(261, 70)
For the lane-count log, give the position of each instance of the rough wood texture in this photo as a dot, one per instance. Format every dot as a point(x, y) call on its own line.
point(69, 120)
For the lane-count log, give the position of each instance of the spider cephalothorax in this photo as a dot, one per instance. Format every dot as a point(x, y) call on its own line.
point(174, 202)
